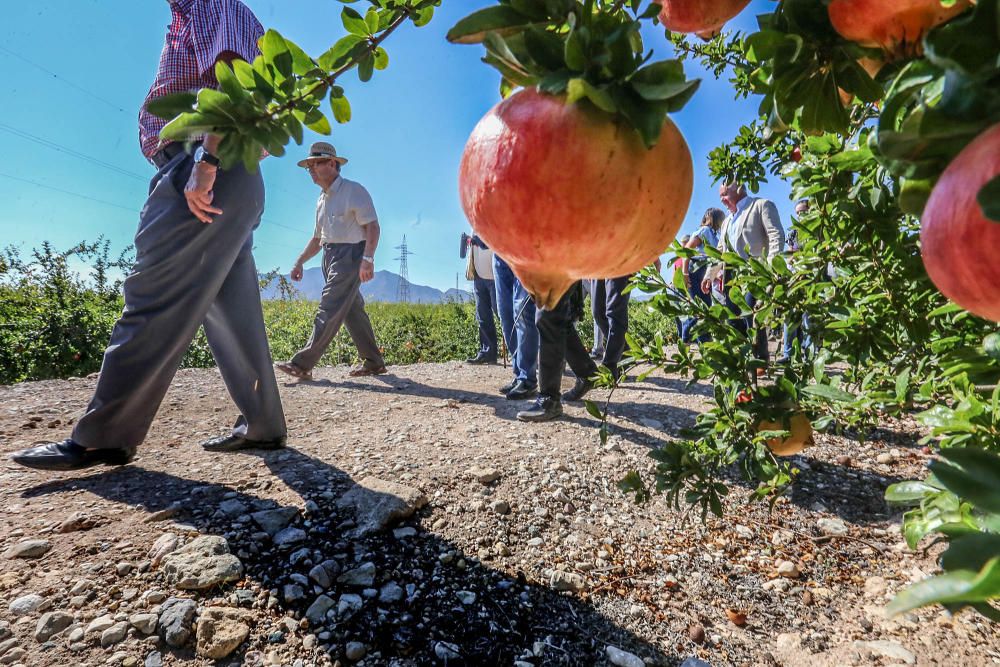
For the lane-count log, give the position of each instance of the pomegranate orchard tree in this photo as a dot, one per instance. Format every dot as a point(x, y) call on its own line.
point(881, 115)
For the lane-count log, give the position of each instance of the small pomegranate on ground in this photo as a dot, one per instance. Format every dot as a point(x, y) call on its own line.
point(897, 26)
point(703, 17)
point(959, 244)
point(565, 191)
point(800, 435)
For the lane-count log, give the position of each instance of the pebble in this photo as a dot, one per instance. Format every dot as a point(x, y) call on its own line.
point(567, 581)
point(154, 659)
point(390, 592)
point(788, 569)
point(52, 623)
point(447, 651)
point(888, 649)
point(355, 651)
point(620, 658)
point(144, 623)
point(500, 507)
point(175, 621)
point(114, 635)
point(317, 610)
point(833, 527)
point(363, 575)
point(696, 633)
point(29, 549)
point(26, 604)
point(289, 536)
point(484, 475)
point(875, 587)
point(319, 575)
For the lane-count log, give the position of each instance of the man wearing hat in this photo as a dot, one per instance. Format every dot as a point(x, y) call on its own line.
point(347, 230)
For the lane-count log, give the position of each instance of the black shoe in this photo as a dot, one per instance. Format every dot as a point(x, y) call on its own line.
point(545, 408)
point(507, 387)
point(481, 359)
point(67, 455)
point(521, 391)
point(234, 443)
point(579, 390)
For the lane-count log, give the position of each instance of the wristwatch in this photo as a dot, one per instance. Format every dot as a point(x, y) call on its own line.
point(202, 155)
point(370, 260)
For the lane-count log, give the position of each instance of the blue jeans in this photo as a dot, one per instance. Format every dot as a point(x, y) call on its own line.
point(486, 305)
point(517, 320)
point(801, 333)
point(746, 325)
point(694, 291)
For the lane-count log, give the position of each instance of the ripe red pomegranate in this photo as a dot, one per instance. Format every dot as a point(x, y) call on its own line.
point(896, 26)
point(958, 243)
point(704, 17)
point(563, 192)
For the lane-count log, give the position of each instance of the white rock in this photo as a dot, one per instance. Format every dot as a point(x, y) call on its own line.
point(623, 658)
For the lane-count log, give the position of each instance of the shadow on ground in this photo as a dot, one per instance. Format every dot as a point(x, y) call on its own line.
point(507, 619)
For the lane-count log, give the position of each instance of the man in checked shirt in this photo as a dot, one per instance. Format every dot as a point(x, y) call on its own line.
point(193, 267)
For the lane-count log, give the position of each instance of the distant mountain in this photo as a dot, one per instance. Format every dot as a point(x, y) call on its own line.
point(383, 287)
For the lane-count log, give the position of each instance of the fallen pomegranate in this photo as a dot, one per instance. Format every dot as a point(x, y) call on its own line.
point(958, 243)
point(564, 192)
point(703, 17)
point(800, 435)
point(897, 26)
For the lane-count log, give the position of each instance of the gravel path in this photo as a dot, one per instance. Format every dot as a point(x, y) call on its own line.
point(412, 520)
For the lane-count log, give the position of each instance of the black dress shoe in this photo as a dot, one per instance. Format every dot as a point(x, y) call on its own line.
point(67, 455)
point(234, 443)
point(521, 390)
point(579, 390)
point(545, 408)
point(507, 387)
point(481, 359)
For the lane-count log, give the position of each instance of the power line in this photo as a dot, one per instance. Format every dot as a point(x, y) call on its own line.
point(69, 151)
point(14, 54)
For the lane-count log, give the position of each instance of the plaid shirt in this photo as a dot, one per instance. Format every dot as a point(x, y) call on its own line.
point(199, 32)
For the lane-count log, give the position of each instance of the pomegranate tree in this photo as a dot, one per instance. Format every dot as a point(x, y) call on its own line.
point(897, 26)
point(566, 191)
point(959, 243)
point(702, 17)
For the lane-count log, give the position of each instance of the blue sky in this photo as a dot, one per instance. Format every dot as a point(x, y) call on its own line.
point(75, 71)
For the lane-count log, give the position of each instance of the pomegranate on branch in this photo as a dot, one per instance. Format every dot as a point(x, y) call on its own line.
point(959, 244)
point(567, 191)
point(702, 17)
point(896, 26)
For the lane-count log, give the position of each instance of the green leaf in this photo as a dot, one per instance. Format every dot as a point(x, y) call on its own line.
point(339, 53)
point(594, 411)
point(908, 493)
point(474, 27)
point(971, 551)
point(340, 106)
point(955, 587)
point(371, 20)
point(828, 393)
point(972, 474)
point(276, 53)
point(381, 58)
point(989, 199)
point(663, 80)
point(170, 106)
point(578, 89)
point(228, 81)
point(366, 66)
point(353, 22)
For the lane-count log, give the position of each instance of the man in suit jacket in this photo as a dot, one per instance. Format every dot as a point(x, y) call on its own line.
point(752, 229)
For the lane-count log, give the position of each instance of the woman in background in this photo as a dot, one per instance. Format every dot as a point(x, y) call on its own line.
point(694, 268)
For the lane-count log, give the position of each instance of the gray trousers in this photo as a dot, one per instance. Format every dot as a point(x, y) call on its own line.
point(341, 304)
point(186, 274)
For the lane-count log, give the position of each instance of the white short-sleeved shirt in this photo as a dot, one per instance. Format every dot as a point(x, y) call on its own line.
point(483, 261)
point(342, 211)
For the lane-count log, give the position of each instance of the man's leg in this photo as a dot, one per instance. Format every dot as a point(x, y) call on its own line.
point(359, 326)
point(616, 315)
point(598, 307)
point(526, 357)
point(503, 282)
point(342, 281)
point(181, 265)
point(484, 318)
point(235, 330)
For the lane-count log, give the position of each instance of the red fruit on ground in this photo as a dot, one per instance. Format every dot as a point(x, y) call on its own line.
point(565, 191)
point(958, 243)
point(705, 17)
point(897, 26)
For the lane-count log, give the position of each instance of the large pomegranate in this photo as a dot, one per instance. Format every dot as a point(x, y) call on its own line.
point(704, 17)
point(563, 192)
point(959, 244)
point(799, 435)
point(897, 25)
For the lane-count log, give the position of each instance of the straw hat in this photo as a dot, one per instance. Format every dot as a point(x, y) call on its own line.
point(322, 151)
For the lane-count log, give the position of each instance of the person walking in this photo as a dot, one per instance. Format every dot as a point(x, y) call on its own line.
point(347, 231)
point(609, 303)
point(194, 266)
point(560, 344)
point(481, 266)
point(517, 321)
point(752, 229)
point(694, 268)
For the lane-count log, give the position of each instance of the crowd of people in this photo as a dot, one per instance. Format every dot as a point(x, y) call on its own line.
point(194, 267)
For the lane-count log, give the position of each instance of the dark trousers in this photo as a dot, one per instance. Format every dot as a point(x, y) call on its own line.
point(341, 304)
point(187, 274)
point(486, 307)
point(559, 344)
point(609, 303)
point(746, 325)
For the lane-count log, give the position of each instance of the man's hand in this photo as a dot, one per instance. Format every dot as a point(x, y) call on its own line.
point(367, 271)
point(198, 192)
point(706, 286)
point(296, 273)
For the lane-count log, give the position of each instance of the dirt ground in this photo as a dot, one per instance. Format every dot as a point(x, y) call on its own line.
point(547, 564)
